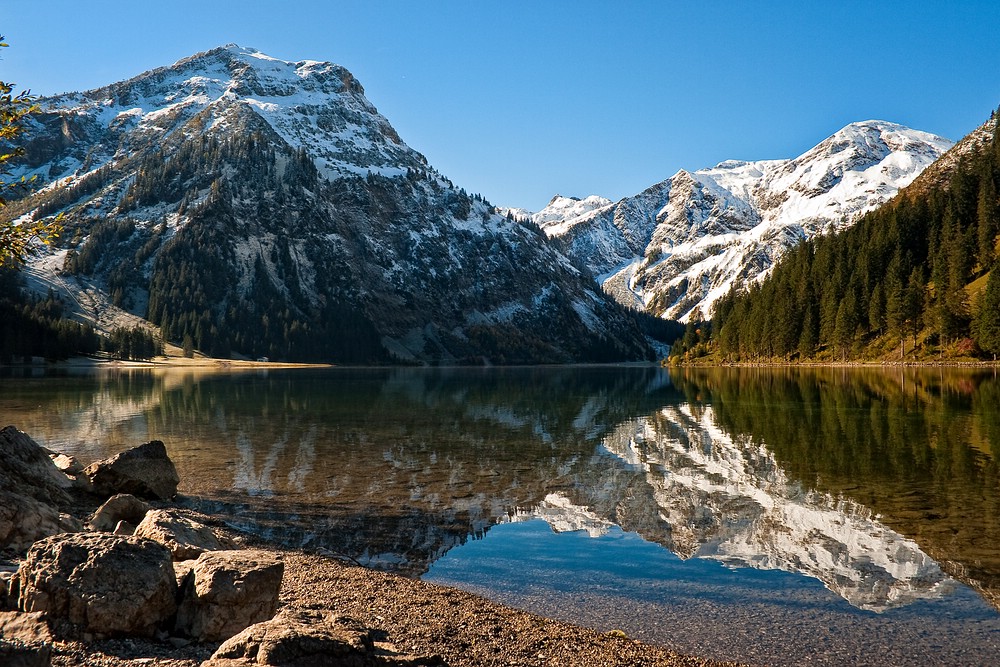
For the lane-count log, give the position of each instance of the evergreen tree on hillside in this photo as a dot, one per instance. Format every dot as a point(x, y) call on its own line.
point(900, 275)
point(988, 221)
point(988, 318)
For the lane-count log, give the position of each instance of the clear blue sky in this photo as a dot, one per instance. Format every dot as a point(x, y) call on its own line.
point(522, 100)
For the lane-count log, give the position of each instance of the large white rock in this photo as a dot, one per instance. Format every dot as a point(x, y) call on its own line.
point(145, 471)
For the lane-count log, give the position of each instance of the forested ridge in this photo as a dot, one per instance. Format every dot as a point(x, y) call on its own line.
point(912, 280)
point(36, 327)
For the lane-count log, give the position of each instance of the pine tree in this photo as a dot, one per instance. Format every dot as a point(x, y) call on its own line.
point(988, 220)
point(913, 303)
point(876, 309)
point(847, 323)
point(988, 318)
point(810, 331)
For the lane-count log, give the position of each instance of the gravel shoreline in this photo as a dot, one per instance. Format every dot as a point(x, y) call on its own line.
point(416, 617)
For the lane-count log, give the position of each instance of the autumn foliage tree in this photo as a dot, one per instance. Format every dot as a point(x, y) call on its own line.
point(16, 238)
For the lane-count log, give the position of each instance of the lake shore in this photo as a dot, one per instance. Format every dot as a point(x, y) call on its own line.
point(415, 623)
point(415, 617)
point(185, 362)
point(945, 363)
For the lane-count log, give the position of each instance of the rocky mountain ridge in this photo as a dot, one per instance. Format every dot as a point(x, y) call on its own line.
point(251, 206)
point(679, 245)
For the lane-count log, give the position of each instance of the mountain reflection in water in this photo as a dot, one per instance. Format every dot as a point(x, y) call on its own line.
point(859, 479)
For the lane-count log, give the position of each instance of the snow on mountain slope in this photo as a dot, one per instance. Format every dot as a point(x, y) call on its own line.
point(313, 105)
point(265, 208)
point(707, 495)
point(561, 209)
point(681, 244)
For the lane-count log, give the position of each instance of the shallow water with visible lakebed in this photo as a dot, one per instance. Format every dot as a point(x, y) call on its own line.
point(777, 516)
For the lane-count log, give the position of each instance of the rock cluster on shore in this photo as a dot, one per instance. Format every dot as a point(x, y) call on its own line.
point(133, 570)
point(93, 574)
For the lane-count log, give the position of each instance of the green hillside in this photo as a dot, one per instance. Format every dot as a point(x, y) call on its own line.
point(914, 280)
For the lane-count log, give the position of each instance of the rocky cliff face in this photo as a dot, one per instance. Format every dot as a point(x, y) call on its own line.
point(676, 247)
point(265, 208)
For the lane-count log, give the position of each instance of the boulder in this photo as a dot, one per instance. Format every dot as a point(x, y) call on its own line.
point(24, 520)
point(301, 638)
point(25, 466)
point(28, 628)
point(227, 591)
point(31, 492)
point(144, 471)
point(25, 640)
point(98, 584)
point(121, 507)
point(186, 538)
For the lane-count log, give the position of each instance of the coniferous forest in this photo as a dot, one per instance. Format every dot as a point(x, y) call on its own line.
point(915, 279)
point(36, 327)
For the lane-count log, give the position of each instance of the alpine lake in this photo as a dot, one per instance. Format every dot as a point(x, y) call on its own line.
point(773, 516)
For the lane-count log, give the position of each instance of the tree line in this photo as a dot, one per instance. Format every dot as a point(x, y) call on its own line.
point(916, 275)
point(33, 327)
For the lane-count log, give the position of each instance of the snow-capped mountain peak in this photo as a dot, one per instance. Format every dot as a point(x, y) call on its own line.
point(264, 207)
point(681, 244)
point(562, 208)
point(317, 106)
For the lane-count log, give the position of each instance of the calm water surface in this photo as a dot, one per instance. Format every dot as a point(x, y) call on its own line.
point(774, 516)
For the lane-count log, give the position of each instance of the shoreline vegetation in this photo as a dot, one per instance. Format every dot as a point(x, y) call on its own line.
point(945, 363)
point(215, 363)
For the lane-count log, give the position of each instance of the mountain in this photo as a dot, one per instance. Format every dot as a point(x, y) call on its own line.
point(679, 245)
point(914, 279)
point(251, 206)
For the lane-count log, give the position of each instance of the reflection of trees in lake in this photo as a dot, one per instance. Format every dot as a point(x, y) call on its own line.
point(919, 447)
point(398, 465)
point(702, 494)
